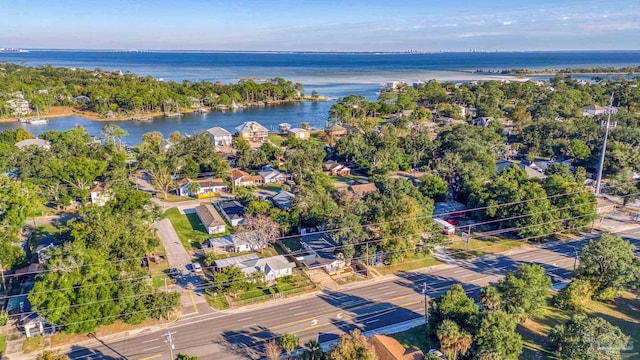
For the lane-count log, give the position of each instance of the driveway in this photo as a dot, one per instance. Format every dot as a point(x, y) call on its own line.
point(193, 301)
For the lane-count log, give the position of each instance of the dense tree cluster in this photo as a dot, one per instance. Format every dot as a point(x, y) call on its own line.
point(129, 93)
point(97, 275)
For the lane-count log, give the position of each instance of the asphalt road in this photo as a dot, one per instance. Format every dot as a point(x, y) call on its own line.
point(368, 305)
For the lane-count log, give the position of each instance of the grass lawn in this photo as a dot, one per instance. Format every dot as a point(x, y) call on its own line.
point(42, 232)
point(159, 271)
point(217, 301)
point(620, 313)
point(173, 198)
point(35, 343)
point(272, 187)
point(416, 261)
point(3, 343)
point(189, 228)
point(276, 138)
point(414, 338)
point(477, 248)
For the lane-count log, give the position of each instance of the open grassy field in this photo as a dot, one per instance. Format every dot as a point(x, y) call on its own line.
point(189, 228)
point(482, 247)
point(623, 312)
point(414, 338)
point(413, 262)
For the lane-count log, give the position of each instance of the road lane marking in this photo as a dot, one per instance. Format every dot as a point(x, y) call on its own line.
point(295, 307)
point(151, 348)
point(152, 357)
point(409, 303)
point(245, 319)
point(193, 301)
point(148, 341)
point(399, 297)
point(371, 321)
point(301, 313)
point(383, 287)
point(249, 325)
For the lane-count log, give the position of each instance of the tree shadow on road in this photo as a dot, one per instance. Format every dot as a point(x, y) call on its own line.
point(247, 343)
point(80, 352)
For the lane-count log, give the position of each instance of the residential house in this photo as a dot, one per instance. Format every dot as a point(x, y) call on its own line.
point(243, 178)
point(220, 264)
point(533, 170)
point(483, 121)
point(362, 189)
point(300, 134)
point(43, 248)
point(320, 253)
point(334, 168)
point(232, 243)
point(211, 220)
point(195, 103)
point(449, 208)
point(98, 195)
point(285, 127)
point(444, 120)
point(232, 211)
point(283, 199)
point(19, 105)
point(502, 165)
point(273, 267)
point(336, 130)
point(220, 136)
point(388, 348)
point(44, 144)
point(272, 176)
point(207, 187)
point(252, 131)
point(82, 99)
point(596, 110)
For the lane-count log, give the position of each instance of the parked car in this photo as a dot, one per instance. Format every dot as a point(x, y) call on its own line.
point(196, 267)
point(174, 272)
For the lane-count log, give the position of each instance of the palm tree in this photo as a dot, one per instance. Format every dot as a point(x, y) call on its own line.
point(453, 341)
point(289, 342)
point(313, 351)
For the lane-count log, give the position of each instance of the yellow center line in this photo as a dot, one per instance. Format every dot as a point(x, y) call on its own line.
point(193, 301)
point(152, 357)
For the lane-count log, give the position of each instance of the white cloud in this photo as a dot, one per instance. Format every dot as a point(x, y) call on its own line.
point(508, 22)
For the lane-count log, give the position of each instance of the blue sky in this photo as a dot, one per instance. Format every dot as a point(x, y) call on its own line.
point(325, 25)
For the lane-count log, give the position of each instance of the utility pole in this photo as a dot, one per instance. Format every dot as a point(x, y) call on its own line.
point(606, 126)
point(2, 275)
point(426, 303)
point(575, 260)
point(168, 338)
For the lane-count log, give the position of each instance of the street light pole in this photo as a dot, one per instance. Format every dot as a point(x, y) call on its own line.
point(168, 338)
point(607, 126)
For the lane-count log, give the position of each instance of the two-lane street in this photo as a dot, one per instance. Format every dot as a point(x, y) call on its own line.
point(240, 334)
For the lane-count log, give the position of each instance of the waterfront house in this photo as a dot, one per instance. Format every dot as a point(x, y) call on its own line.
point(211, 220)
point(285, 127)
point(243, 178)
point(220, 136)
point(300, 134)
point(232, 211)
point(43, 144)
point(97, 193)
point(283, 199)
point(334, 168)
point(19, 105)
point(252, 131)
point(336, 130)
point(206, 187)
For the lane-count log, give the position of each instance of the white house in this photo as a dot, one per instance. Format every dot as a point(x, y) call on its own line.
point(211, 220)
point(273, 267)
point(595, 110)
point(231, 243)
point(98, 195)
point(44, 144)
point(19, 105)
point(220, 136)
point(207, 186)
point(232, 211)
point(483, 121)
point(272, 176)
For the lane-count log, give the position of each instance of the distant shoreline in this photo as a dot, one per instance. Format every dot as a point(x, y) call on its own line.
point(64, 111)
